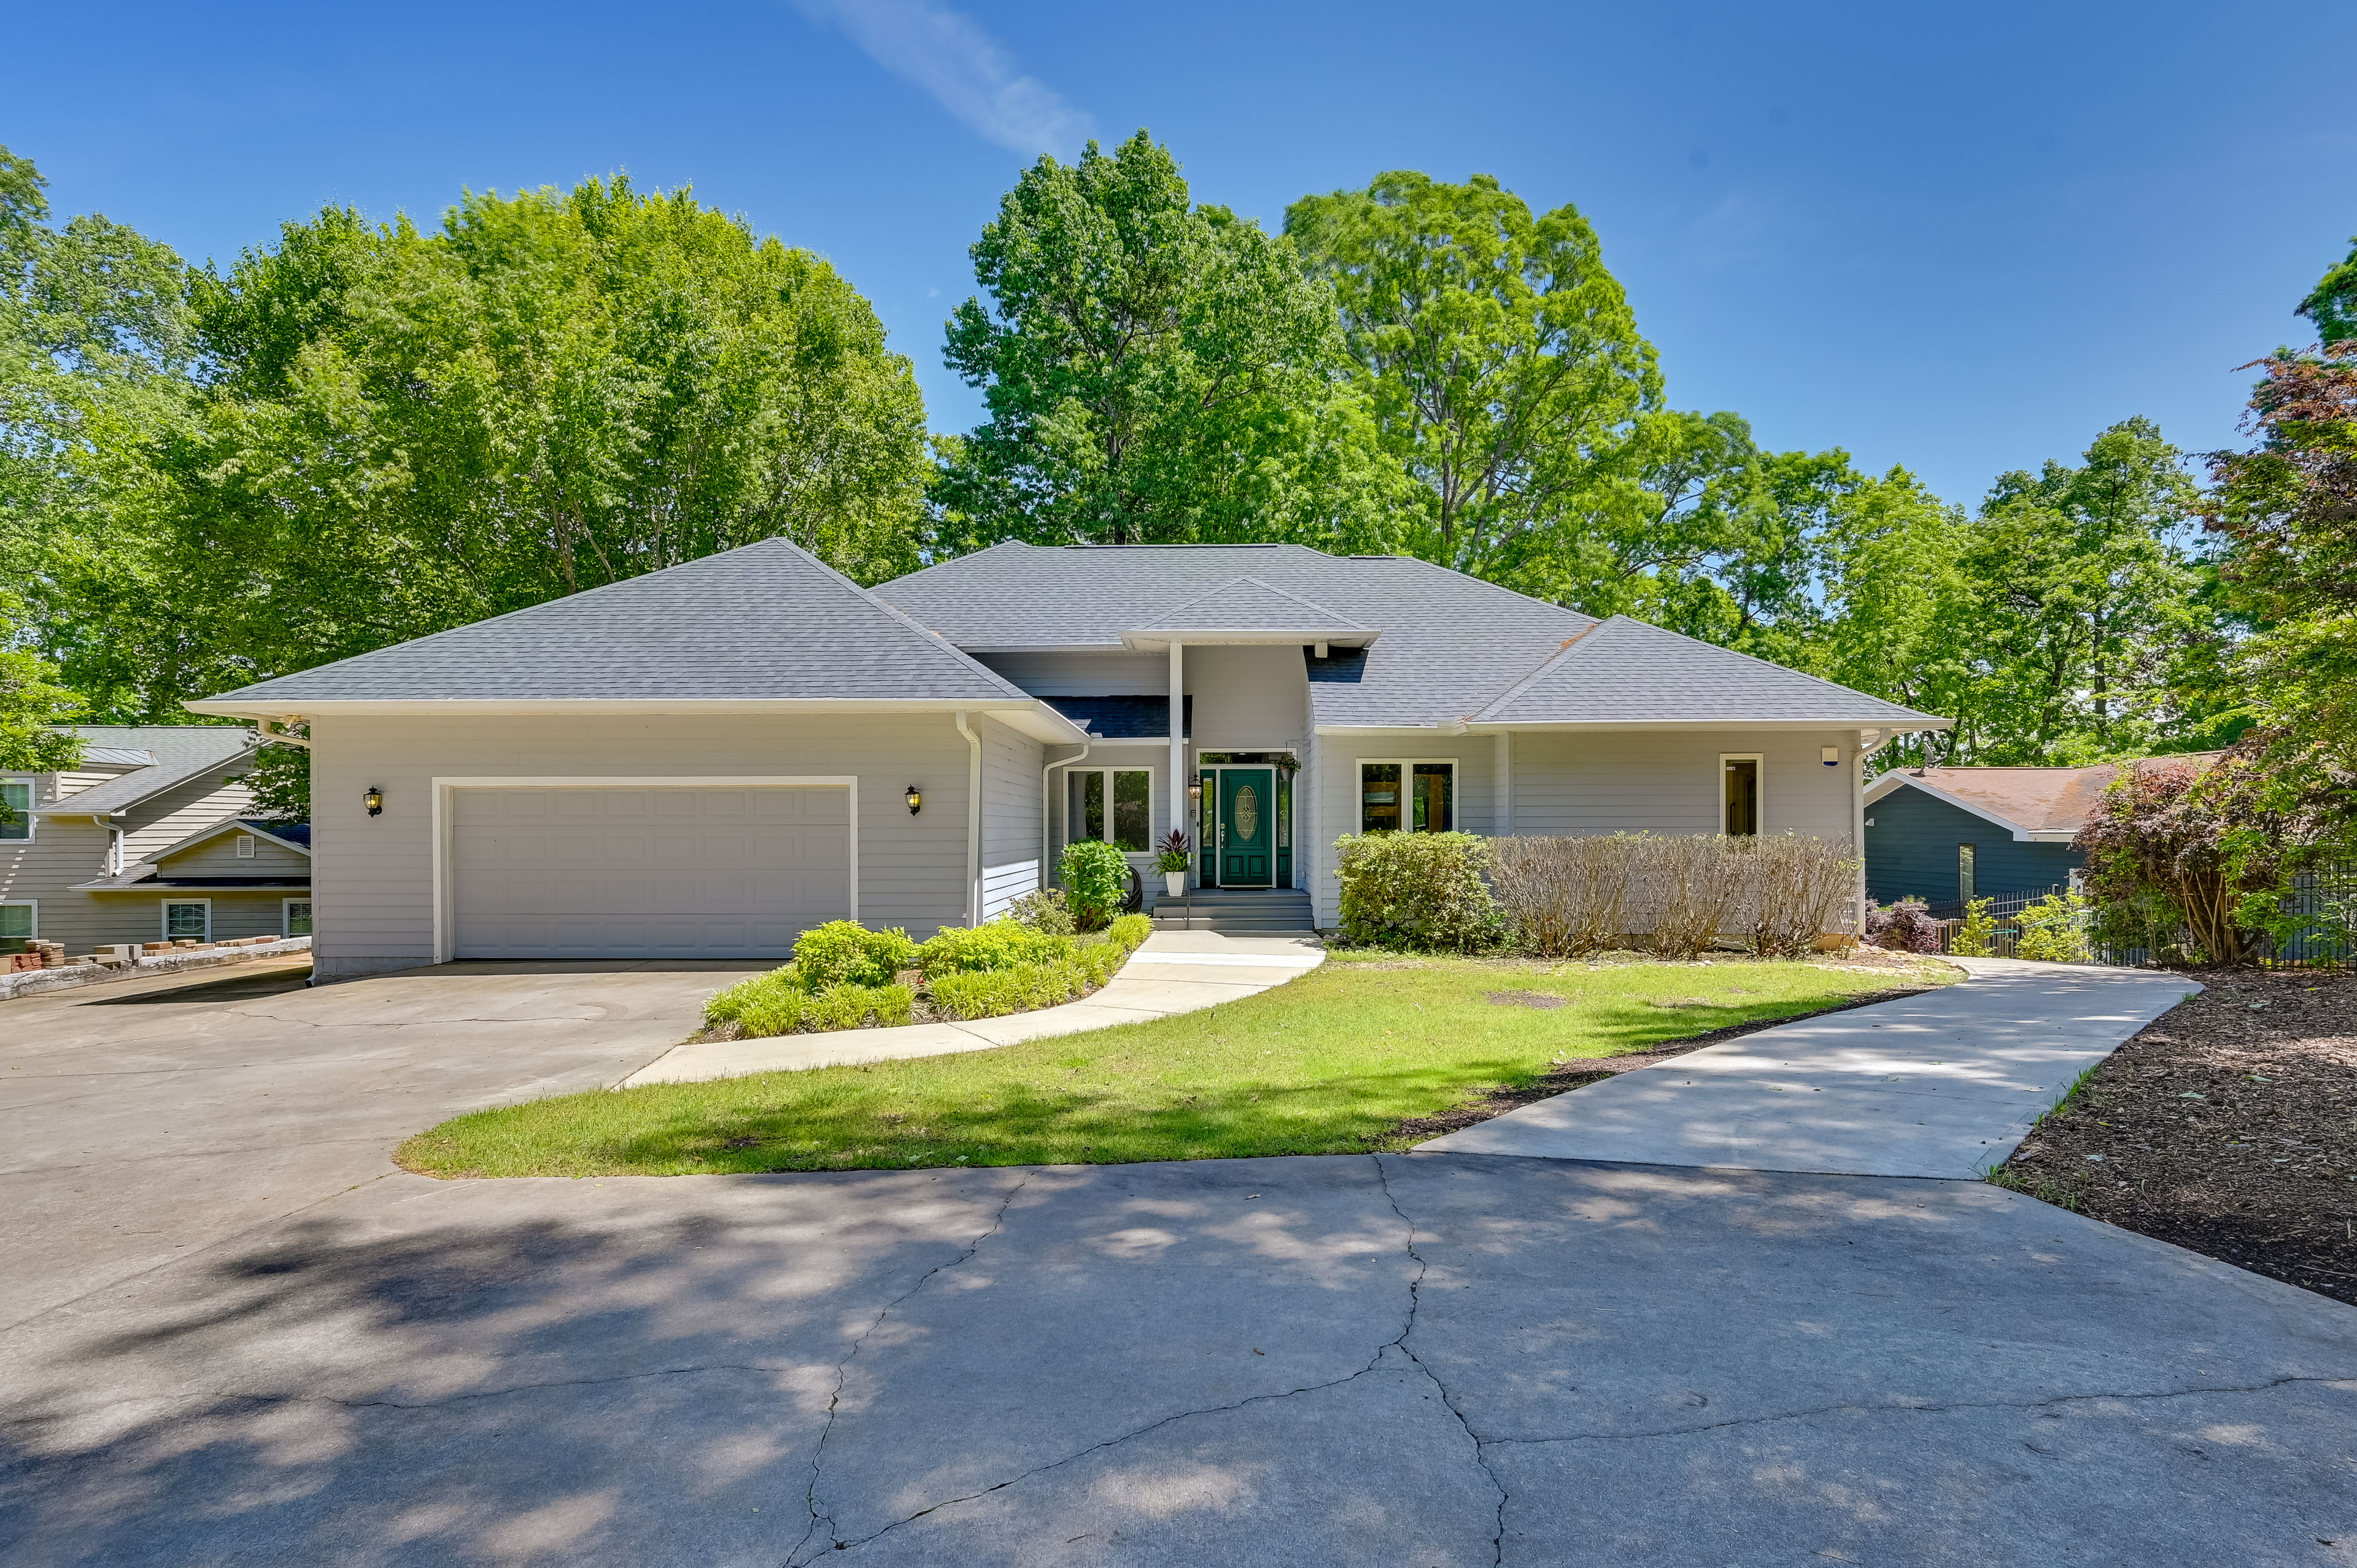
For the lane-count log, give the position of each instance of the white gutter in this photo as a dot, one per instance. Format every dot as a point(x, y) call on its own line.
point(973, 823)
point(1044, 799)
point(274, 730)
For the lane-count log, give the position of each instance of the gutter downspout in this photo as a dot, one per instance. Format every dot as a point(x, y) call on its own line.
point(1858, 820)
point(1044, 799)
point(271, 729)
point(972, 823)
point(1178, 823)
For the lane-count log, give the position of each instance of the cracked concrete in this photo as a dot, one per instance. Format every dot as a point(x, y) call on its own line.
point(147, 1120)
point(1425, 1360)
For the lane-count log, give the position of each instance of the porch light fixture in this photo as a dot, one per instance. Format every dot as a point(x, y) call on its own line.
point(373, 800)
point(1194, 789)
point(915, 797)
point(1830, 755)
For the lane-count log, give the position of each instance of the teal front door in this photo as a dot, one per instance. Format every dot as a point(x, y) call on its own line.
point(1247, 827)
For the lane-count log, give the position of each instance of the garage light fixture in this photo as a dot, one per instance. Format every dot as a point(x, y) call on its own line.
point(374, 801)
point(916, 798)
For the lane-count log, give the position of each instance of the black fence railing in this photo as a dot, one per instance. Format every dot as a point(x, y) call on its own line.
point(2319, 911)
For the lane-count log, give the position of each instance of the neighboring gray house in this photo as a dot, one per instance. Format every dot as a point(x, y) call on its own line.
point(123, 847)
point(704, 761)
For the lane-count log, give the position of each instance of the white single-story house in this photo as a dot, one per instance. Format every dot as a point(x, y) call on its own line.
point(151, 836)
point(704, 761)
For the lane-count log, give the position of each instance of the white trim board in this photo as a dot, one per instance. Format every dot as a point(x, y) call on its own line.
point(445, 822)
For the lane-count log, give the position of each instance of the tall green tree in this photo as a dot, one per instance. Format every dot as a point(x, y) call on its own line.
point(1504, 371)
point(94, 353)
point(400, 431)
point(2331, 305)
point(1155, 371)
point(2084, 591)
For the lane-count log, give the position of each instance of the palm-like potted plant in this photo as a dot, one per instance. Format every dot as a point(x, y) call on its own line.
point(1170, 858)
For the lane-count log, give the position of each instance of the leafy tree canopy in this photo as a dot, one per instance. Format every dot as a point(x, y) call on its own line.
point(1506, 377)
point(390, 432)
point(1155, 371)
point(2332, 304)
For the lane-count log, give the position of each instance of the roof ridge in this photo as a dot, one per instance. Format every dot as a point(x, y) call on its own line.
point(1265, 586)
point(1541, 667)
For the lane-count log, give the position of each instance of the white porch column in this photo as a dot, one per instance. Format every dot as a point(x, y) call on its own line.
point(1502, 814)
point(1178, 737)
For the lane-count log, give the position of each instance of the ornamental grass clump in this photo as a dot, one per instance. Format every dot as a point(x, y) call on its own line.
point(1418, 890)
point(990, 994)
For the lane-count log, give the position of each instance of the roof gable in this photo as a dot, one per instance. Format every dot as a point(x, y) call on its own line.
point(1247, 603)
point(1623, 671)
point(763, 622)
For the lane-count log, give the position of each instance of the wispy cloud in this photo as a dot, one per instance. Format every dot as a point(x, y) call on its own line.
point(968, 72)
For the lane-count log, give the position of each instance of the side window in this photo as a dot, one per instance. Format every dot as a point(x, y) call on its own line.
point(1434, 796)
point(19, 921)
point(16, 820)
point(1116, 804)
point(188, 920)
point(298, 916)
point(1133, 809)
point(1740, 796)
point(1964, 893)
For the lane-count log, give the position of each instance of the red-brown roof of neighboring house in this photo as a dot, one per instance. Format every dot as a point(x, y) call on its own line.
point(2039, 800)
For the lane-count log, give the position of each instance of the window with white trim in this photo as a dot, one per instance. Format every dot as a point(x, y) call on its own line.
point(1739, 794)
point(295, 918)
point(245, 846)
point(16, 795)
point(1407, 795)
point(188, 920)
point(1116, 804)
point(20, 919)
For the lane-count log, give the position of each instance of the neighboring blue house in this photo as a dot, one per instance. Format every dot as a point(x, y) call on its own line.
point(1946, 835)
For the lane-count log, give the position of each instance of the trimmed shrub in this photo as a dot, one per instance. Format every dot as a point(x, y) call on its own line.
point(2055, 929)
point(776, 1003)
point(990, 994)
point(1905, 926)
point(1803, 887)
point(998, 944)
point(1130, 931)
point(1694, 888)
point(1096, 881)
point(1418, 890)
point(1565, 897)
point(845, 952)
point(1044, 910)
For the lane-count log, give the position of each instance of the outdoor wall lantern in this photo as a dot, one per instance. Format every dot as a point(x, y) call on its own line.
point(374, 801)
point(1830, 755)
point(916, 798)
point(1194, 789)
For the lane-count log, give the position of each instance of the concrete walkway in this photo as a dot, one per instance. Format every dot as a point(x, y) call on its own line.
point(1940, 1085)
point(1174, 971)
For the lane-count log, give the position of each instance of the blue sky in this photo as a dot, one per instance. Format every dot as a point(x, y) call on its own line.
point(1960, 238)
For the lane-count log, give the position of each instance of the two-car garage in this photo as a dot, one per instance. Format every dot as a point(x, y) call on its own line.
point(717, 870)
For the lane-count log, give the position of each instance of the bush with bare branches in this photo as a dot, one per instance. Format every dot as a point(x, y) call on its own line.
point(1567, 896)
point(1803, 889)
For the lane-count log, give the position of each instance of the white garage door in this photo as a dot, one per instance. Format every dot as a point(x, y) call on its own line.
point(656, 872)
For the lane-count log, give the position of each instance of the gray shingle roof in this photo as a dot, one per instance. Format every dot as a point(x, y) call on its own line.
point(181, 752)
point(1449, 642)
point(1123, 718)
point(767, 621)
point(1626, 670)
point(1247, 603)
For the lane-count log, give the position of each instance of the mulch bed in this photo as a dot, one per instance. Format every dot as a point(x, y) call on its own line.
point(1579, 1073)
point(2228, 1127)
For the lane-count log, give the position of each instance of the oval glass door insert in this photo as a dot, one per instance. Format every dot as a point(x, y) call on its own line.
point(1247, 815)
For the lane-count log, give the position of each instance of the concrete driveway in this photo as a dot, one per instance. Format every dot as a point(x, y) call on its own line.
point(240, 1336)
point(146, 1119)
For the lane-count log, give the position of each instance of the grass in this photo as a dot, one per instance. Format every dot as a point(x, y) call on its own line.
point(1329, 1064)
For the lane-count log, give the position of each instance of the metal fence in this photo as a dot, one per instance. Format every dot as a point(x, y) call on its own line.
point(2322, 899)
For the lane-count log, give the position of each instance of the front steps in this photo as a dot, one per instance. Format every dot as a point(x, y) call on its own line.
point(1237, 912)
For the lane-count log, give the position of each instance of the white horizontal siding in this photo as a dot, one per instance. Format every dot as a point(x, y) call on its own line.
point(218, 856)
point(1002, 884)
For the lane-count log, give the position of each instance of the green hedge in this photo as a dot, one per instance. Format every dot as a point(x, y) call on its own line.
point(980, 972)
point(1418, 890)
point(999, 944)
point(845, 952)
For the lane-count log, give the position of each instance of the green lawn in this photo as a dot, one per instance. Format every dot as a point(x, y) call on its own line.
point(1329, 1064)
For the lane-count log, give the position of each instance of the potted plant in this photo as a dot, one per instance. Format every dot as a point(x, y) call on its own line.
point(1170, 859)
